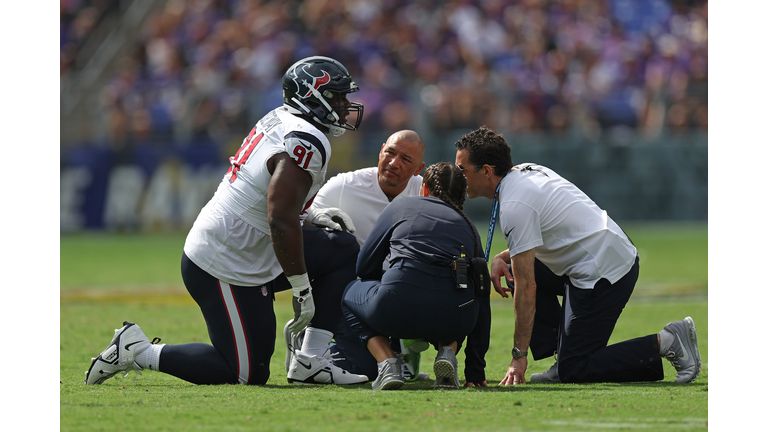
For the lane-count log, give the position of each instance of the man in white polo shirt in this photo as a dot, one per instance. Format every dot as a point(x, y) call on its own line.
point(562, 244)
point(362, 195)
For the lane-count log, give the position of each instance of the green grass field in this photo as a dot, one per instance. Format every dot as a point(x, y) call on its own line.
point(106, 279)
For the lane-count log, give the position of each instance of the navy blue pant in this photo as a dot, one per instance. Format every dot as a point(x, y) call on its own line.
point(411, 301)
point(579, 330)
point(351, 355)
point(241, 320)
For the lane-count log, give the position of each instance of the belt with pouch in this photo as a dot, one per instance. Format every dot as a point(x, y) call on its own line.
point(426, 268)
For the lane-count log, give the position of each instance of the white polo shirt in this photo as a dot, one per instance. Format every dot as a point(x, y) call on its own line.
point(571, 234)
point(359, 195)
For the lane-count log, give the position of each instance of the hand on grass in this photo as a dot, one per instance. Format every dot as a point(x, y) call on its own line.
point(516, 372)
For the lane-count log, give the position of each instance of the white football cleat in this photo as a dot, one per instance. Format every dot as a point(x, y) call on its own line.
point(306, 369)
point(119, 356)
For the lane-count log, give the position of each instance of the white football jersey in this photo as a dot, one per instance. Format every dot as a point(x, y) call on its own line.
point(571, 234)
point(358, 194)
point(230, 238)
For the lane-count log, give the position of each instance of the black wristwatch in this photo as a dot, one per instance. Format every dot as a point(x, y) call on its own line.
point(516, 353)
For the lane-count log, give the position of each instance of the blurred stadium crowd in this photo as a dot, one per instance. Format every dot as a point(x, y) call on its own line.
point(208, 69)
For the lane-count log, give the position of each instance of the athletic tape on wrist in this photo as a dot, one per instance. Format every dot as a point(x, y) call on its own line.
point(301, 287)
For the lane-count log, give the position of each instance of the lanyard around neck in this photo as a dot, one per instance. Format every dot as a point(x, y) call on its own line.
point(492, 224)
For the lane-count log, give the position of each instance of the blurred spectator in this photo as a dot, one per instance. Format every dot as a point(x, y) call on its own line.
point(77, 20)
point(200, 69)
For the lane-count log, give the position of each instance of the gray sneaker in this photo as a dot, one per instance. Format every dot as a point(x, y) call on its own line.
point(390, 375)
point(548, 376)
point(446, 369)
point(684, 352)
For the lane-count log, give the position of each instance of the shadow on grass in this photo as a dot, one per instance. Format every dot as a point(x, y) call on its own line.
point(428, 385)
point(619, 387)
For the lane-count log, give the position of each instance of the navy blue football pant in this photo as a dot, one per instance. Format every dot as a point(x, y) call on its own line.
point(241, 326)
point(241, 320)
point(351, 355)
point(411, 301)
point(579, 330)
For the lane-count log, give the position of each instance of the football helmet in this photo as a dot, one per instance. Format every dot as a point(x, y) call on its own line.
point(317, 87)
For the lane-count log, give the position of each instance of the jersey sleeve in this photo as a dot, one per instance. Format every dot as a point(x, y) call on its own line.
point(308, 151)
point(521, 226)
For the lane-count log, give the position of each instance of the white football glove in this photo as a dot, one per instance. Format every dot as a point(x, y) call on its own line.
point(333, 218)
point(302, 291)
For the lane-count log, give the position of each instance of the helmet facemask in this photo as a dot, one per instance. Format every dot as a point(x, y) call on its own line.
point(339, 105)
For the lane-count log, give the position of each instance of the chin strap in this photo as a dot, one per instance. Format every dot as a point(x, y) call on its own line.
point(316, 93)
point(336, 131)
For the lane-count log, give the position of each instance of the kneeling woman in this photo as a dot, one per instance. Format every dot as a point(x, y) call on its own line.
point(421, 295)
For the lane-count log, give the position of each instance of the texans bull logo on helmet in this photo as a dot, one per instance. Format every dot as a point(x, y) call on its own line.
point(315, 84)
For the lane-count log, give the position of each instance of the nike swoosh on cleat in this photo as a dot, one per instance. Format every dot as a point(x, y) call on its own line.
point(127, 347)
point(306, 366)
point(685, 356)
